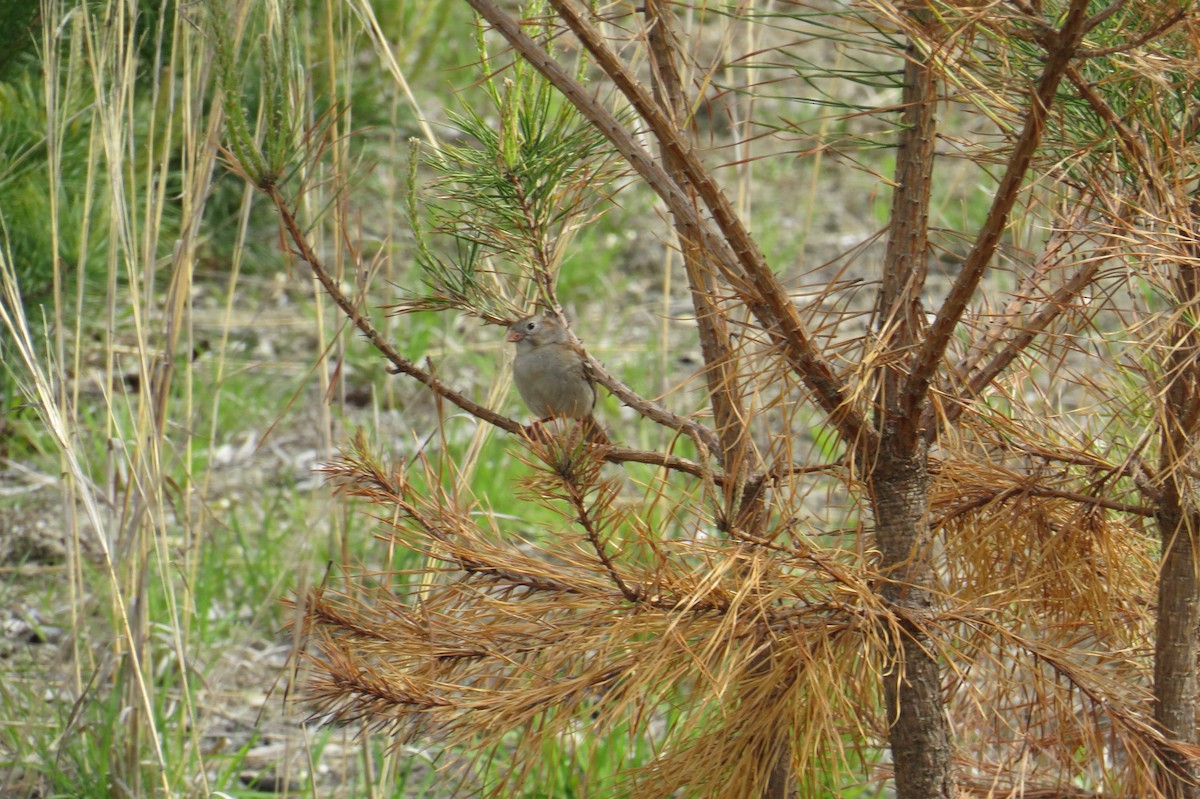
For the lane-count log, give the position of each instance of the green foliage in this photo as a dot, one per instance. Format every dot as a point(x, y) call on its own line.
point(263, 150)
point(29, 191)
point(56, 227)
point(17, 31)
point(508, 199)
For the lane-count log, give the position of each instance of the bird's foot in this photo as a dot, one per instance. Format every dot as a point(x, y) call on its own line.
point(559, 428)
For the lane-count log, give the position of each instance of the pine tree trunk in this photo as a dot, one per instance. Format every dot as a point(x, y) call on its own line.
point(1175, 646)
point(919, 731)
point(899, 478)
point(1178, 516)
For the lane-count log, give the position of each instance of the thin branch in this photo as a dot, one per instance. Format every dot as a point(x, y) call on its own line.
point(402, 365)
point(647, 408)
point(1124, 715)
point(1131, 142)
point(1158, 30)
point(901, 316)
point(586, 518)
point(1097, 19)
point(1024, 334)
point(1016, 492)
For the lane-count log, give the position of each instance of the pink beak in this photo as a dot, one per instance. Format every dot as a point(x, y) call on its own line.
point(514, 336)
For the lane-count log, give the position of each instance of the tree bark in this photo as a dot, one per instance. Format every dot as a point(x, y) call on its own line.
point(919, 731)
point(1175, 645)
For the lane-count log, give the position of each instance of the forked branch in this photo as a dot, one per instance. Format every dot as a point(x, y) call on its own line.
point(950, 313)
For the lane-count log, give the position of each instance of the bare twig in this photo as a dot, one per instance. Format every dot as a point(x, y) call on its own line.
point(1016, 492)
point(653, 411)
point(400, 364)
point(1023, 334)
point(1154, 33)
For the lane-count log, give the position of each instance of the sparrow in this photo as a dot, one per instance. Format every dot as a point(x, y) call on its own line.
point(551, 376)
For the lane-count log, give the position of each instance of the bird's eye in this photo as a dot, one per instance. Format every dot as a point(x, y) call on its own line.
point(530, 326)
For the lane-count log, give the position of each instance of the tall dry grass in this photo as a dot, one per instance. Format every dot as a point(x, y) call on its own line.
point(180, 456)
